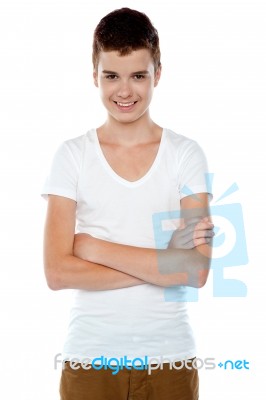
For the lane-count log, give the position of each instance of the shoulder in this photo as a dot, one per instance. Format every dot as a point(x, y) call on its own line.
point(77, 142)
point(75, 146)
point(179, 143)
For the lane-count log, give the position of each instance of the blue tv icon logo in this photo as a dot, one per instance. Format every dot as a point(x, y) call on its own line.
point(229, 247)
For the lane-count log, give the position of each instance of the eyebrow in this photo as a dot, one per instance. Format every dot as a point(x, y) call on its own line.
point(144, 72)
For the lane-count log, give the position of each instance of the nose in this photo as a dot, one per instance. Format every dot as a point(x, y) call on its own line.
point(124, 89)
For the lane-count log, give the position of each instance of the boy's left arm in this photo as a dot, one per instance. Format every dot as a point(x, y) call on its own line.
point(179, 264)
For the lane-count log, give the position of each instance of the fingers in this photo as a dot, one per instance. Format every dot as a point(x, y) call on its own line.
point(203, 240)
point(195, 228)
point(196, 238)
point(207, 233)
point(197, 242)
point(203, 233)
point(195, 232)
point(207, 219)
point(204, 225)
point(200, 222)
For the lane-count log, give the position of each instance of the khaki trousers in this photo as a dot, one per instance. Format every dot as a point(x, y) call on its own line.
point(181, 383)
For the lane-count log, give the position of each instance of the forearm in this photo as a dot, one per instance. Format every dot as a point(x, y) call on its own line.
point(160, 267)
point(70, 272)
point(176, 265)
point(64, 269)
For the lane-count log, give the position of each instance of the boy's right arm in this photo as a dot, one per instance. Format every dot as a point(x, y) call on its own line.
point(62, 269)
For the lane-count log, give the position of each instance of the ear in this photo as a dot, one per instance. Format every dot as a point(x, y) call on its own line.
point(95, 78)
point(157, 76)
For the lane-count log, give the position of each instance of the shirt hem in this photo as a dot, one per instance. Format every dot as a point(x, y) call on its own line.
point(129, 360)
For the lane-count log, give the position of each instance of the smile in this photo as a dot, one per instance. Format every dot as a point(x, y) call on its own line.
point(125, 104)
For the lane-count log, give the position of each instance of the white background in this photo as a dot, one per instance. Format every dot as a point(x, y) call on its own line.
point(212, 90)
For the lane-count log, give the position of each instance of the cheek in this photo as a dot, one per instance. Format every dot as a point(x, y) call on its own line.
point(148, 91)
point(148, 88)
point(105, 90)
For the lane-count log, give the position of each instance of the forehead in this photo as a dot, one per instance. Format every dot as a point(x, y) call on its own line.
point(137, 60)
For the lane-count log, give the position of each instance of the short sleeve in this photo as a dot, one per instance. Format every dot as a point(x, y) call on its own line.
point(63, 177)
point(193, 171)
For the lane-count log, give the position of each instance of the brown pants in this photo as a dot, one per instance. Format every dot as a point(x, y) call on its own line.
point(130, 384)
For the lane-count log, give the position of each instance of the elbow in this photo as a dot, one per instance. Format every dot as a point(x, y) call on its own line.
point(53, 277)
point(203, 268)
point(202, 278)
point(202, 274)
point(196, 279)
point(194, 274)
point(53, 284)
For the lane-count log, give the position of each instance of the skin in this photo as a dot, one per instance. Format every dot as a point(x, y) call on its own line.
point(129, 140)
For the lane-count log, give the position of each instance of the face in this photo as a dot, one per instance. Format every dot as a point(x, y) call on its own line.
point(126, 83)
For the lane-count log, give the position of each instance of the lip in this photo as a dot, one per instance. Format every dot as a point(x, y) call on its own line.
point(125, 108)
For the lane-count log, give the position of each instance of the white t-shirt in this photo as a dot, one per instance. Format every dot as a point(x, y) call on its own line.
point(136, 321)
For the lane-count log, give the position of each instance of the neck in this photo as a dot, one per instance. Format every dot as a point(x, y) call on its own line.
point(128, 134)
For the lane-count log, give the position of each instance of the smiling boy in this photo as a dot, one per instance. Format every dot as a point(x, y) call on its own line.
point(103, 191)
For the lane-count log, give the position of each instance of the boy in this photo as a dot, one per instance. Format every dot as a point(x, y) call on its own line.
point(104, 189)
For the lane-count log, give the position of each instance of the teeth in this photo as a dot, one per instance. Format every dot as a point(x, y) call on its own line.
point(125, 104)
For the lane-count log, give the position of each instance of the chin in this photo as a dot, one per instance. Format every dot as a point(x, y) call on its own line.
point(125, 118)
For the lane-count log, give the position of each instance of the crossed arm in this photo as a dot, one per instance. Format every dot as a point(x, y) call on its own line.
point(83, 262)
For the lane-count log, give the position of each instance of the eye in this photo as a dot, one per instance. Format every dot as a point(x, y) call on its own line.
point(139, 77)
point(111, 77)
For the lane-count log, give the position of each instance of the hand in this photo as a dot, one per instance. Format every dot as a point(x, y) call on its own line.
point(195, 232)
point(85, 247)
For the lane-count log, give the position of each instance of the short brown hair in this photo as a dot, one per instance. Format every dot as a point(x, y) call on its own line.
point(125, 30)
